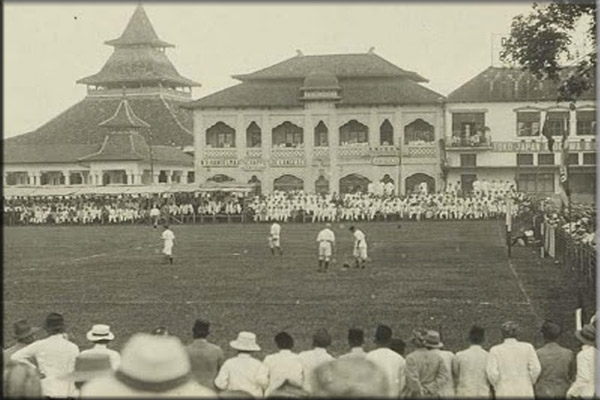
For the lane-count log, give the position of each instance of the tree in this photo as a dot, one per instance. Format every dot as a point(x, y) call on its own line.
point(542, 43)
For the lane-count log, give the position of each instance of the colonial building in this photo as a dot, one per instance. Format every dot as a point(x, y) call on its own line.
point(129, 129)
point(494, 128)
point(321, 123)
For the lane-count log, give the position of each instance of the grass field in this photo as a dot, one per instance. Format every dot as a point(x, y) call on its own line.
point(430, 274)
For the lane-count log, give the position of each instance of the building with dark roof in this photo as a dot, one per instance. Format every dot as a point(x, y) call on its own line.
point(494, 125)
point(321, 123)
point(129, 129)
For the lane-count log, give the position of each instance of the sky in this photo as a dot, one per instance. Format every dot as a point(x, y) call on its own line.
point(48, 46)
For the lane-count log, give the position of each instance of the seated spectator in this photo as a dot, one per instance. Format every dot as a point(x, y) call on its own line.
point(389, 361)
point(284, 367)
point(468, 368)
point(349, 377)
point(243, 372)
point(206, 358)
point(101, 336)
point(356, 340)
point(87, 367)
point(557, 363)
point(311, 359)
point(151, 366)
point(585, 385)
point(513, 366)
point(24, 335)
point(20, 381)
point(54, 356)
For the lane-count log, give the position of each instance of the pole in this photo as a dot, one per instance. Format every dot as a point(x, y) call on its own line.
point(509, 225)
point(151, 157)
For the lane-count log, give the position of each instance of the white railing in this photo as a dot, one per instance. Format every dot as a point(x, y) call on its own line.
point(278, 153)
point(419, 151)
point(254, 152)
point(220, 153)
point(353, 151)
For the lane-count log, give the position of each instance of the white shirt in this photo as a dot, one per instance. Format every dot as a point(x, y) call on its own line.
point(326, 235)
point(512, 368)
point(447, 389)
point(468, 369)
point(283, 366)
point(584, 385)
point(55, 356)
point(168, 236)
point(275, 230)
point(243, 373)
point(360, 240)
point(393, 365)
point(357, 352)
point(311, 359)
point(114, 356)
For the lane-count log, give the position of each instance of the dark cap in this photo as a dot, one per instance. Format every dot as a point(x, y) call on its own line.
point(55, 323)
point(383, 334)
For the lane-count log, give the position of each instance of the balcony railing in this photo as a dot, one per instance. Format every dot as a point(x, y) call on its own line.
point(419, 150)
point(255, 152)
point(384, 151)
point(220, 153)
point(473, 142)
point(353, 151)
point(321, 152)
point(278, 153)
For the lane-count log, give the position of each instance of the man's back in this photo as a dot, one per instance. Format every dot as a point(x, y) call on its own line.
point(468, 367)
point(557, 370)
point(425, 373)
point(393, 365)
point(310, 360)
point(206, 359)
point(512, 368)
point(284, 366)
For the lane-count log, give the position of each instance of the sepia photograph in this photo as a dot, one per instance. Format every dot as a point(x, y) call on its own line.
point(299, 199)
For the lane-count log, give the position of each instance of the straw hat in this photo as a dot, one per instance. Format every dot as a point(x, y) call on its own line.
point(246, 341)
point(100, 332)
point(432, 340)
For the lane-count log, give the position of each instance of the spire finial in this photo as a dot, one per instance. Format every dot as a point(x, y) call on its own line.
point(372, 50)
point(299, 53)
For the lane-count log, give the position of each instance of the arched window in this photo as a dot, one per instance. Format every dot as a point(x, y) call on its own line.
point(220, 178)
point(418, 131)
point(321, 133)
point(288, 183)
point(419, 182)
point(288, 135)
point(354, 183)
point(253, 135)
point(321, 185)
point(257, 189)
point(353, 132)
point(386, 134)
point(220, 135)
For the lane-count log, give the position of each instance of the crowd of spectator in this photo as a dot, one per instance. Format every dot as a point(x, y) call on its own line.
point(578, 222)
point(159, 364)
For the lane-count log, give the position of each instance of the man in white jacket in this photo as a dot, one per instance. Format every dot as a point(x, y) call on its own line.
point(513, 366)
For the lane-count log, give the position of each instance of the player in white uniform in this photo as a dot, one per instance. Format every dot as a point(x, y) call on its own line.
point(168, 238)
point(274, 238)
point(360, 247)
point(326, 240)
point(155, 215)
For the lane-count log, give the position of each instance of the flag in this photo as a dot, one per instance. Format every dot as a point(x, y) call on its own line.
point(547, 134)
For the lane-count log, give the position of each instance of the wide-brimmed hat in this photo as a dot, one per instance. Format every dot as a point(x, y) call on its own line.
point(100, 332)
point(246, 341)
point(432, 340)
point(587, 335)
point(89, 366)
point(22, 329)
point(153, 363)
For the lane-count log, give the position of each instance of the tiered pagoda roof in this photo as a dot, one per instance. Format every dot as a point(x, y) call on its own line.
point(365, 79)
point(138, 59)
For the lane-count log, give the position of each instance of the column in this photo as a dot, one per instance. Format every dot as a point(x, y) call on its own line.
point(184, 177)
point(373, 128)
point(199, 142)
point(169, 173)
point(67, 175)
point(334, 144)
point(309, 146)
point(155, 176)
point(448, 124)
point(267, 137)
point(572, 123)
point(240, 136)
point(5, 178)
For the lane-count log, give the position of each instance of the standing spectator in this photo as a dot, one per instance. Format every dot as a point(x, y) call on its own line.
point(244, 372)
point(101, 336)
point(311, 359)
point(87, 367)
point(425, 370)
point(356, 340)
point(468, 368)
point(54, 355)
point(390, 362)
point(557, 365)
point(513, 367)
point(20, 381)
point(584, 385)
point(206, 358)
point(24, 334)
point(151, 366)
point(398, 346)
point(285, 368)
point(434, 343)
point(349, 377)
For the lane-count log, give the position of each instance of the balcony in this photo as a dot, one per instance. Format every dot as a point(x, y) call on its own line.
point(288, 156)
point(254, 152)
point(476, 142)
point(220, 153)
point(419, 150)
point(353, 151)
point(378, 151)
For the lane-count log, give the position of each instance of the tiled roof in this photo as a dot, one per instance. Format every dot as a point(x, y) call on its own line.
point(139, 64)
point(45, 153)
point(496, 84)
point(287, 94)
point(139, 30)
point(78, 125)
point(341, 65)
point(124, 118)
point(121, 147)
